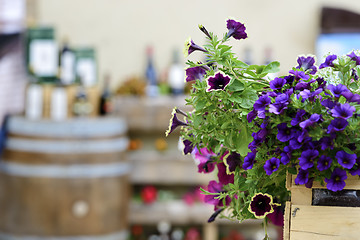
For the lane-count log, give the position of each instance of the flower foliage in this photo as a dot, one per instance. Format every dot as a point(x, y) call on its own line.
point(254, 130)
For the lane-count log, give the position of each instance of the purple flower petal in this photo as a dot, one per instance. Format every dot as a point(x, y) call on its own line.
point(346, 160)
point(236, 29)
point(195, 73)
point(337, 180)
point(328, 61)
point(217, 82)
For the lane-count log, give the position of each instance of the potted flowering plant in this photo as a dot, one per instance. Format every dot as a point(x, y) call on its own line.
point(254, 130)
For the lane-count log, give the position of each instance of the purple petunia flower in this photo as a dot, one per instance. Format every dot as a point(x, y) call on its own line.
point(302, 85)
point(326, 142)
point(284, 133)
point(277, 217)
point(324, 163)
point(282, 98)
point(337, 180)
point(249, 160)
point(328, 61)
point(231, 161)
point(261, 205)
point(174, 122)
point(271, 165)
point(306, 160)
point(302, 177)
point(336, 125)
point(314, 118)
point(307, 63)
point(286, 155)
point(190, 47)
point(251, 116)
point(236, 29)
point(215, 187)
point(294, 143)
point(356, 170)
point(188, 146)
point(337, 90)
point(262, 103)
point(223, 176)
point(328, 103)
point(351, 97)
point(277, 108)
point(346, 160)
point(299, 75)
point(298, 118)
point(289, 79)
point(277, 83)
point(344, 111)
point(217, 82)
point(204, 159)
point(354, 57)
point(195, 73)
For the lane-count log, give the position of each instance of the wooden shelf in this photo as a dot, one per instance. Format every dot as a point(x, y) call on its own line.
point(150, 166)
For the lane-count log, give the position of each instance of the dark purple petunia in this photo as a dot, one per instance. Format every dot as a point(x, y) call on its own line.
point(217, 82)
point(326, 142)
point(236, 29)
point(190, 47)
point(328, 61)
point(262, 103)
point(356, 170)
point(336, 125)
point(354, 57)
point(337, 180)
point(174, 122)
point(204, 159)
point(314, 118)
point(215, 187)
point(344, 111)
point(328, 103)
point(324, 163)
point(277, 108)
point(195, 73)
point(351, 97)
point(188, 146)
point(223, 176)
point(354, 74)
point(277, 83)
point(284, 133)
point(289, 79)
point(231, 161)
point(298, 117)
point(251, 116)
point(302, 177)
point(302, 85)
point(299, 75)
point(261, 205)
point(215, 214)
point(306, 160)
point(277, 217)
point(271, 165)
point(294, 143)
point(285, 155)
point(346, 160)
point(307, 63)
point(337, 90)
point(203, 29)
point(249, 160)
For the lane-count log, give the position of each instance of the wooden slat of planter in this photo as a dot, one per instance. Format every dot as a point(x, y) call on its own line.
point(286, 230)
point(324, 223)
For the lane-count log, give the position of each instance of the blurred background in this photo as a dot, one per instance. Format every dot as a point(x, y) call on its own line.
point(86, 92)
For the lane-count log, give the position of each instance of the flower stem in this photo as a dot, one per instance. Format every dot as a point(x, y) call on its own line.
point(265, 229)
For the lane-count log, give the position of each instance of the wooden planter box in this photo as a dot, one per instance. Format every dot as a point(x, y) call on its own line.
point(303, 221)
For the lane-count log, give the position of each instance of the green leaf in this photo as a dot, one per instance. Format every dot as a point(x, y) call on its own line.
point(200, 104)
point(272, 67)
point(292, 170)
point(236, 85)
point(248, 98)
point(242, 140)
point(347, 150)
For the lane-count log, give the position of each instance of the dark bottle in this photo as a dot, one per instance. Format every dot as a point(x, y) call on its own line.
point(67, 64)
point(106, 104)
point(152, 89)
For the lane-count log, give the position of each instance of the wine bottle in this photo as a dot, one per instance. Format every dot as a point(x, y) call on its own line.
point(82, 107)
point(106, 104)
point(152, 89)
point(176, 75)
point(59, 102)
point(67, 64)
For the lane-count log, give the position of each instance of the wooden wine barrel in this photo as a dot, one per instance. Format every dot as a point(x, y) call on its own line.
point(64, 180)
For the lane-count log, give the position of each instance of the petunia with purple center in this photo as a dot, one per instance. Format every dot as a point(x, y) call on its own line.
point(262, 103)
point(346, 160)
point(302, 177)
point(337, 125)
point(354, 57)
point(190, 47)
point(337, 90)
point(217, 82)
point(236, 29)
point(306, 160)
point(324, 163)
point(249, 160)
point(337, 180)
point(298, 117)
point(328, 61)
point(351, 97)
point(195, 73)
point(284, 132)
point(344, 111)
point(271, 165)
point(307, 63)
point(188, 146)
point(277, 83)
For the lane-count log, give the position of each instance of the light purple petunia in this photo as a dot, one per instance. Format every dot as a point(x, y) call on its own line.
point(307, 63)
point(236, 29)
point(195, 73)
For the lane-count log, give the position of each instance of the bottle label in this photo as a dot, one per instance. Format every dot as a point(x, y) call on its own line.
point(86, 70)
point(68, 68)
point(43, 57)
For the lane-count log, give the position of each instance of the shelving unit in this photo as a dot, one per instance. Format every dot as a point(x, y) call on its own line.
point(148, 119)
